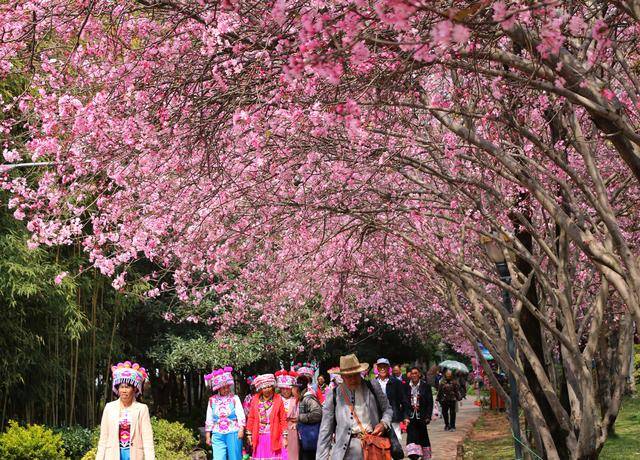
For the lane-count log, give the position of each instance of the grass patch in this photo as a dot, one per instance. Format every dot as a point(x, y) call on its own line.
point(491, 438)
point(625, 443)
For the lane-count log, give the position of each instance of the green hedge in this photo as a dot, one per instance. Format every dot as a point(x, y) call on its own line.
point(76, 441)
point(173, 441)
point(33, 442)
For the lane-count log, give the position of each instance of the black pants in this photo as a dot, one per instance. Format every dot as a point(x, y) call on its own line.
point(307, 454)
point(449, 413)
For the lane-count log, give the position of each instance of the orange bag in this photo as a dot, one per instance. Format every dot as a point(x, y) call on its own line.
point(376, 447)
point(373, 447)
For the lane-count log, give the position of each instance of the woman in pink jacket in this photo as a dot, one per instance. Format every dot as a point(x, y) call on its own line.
point(125, 430)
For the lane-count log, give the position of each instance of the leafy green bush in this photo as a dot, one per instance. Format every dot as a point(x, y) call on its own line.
point(173, 441)
point(33, 442)
point(76, 441)
point(91, 455)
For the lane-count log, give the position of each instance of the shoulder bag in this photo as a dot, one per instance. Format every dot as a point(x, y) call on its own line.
point(397, 452)
point(373, 447)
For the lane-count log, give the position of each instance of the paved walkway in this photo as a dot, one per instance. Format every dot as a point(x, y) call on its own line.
point(444, 444)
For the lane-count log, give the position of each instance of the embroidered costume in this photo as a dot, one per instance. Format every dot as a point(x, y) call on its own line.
point(134, 375)
point(288, 380)
point(418, 443)
point(267, 422)
point(124, 434)
point(225, 417)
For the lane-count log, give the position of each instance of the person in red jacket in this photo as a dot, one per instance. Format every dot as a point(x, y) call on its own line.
point(267, 422)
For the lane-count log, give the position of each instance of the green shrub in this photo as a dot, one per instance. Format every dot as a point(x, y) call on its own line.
point(33, 442)
point(76, 441)
point(173, 441)
point(91, 455)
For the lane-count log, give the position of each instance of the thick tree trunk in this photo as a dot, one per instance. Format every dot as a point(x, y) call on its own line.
point(533, 333)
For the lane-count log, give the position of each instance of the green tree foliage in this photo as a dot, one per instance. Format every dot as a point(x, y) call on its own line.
point(59, 337)
point(32, 305)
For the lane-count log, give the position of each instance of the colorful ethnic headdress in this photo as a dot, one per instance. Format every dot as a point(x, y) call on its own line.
point(219, 378)
point(132, 374)
point(264, 381)
point(305, 369)
point(286, 379)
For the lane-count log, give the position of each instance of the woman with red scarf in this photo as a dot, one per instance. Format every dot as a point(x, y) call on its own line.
point(267, 422)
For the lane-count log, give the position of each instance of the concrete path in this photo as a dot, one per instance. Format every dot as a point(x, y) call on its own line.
point(444, 444)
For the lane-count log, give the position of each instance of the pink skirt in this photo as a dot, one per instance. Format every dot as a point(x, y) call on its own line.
point(264, 452)
point(291, 452)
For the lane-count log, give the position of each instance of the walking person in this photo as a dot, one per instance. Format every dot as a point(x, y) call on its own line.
point(309, 418)
point(125, 429)
point(353, 397)
point(286, 381)
point(267, 422)
point(309, 370)
point(225, 419)
point(396, 372)
point(448, 396)
point(396, 394)
point(322, 389)
point(421, 400)
point(461, 377)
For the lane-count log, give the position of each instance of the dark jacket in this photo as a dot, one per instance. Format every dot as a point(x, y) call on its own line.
point(397, 396)
point(449, 390)
point(310, 409)
point(424, 408)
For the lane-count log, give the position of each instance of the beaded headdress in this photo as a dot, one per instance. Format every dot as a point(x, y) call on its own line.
point(286, 379)
point(219, 378)
point(305, 369)
point(264, 381)
point(132, 374)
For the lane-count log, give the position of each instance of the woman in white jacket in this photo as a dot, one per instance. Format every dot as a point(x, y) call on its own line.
point(125, 430)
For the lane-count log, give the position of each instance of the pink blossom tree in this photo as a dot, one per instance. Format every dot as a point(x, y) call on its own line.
point(356, 152)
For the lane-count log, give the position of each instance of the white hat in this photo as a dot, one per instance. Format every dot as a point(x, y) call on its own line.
point(383, 361)
point(264, 381)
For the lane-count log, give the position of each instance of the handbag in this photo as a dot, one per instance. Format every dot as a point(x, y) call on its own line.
point(373, 447)
point(308, 434)
point(397, 452)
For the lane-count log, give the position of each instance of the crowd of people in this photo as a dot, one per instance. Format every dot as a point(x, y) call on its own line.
point(292, 414)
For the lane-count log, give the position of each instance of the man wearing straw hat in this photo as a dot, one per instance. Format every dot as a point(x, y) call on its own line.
point(338, 419)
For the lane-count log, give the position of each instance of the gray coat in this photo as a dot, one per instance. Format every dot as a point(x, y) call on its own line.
point(336, 418)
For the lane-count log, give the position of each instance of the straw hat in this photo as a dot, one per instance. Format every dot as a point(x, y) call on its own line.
point(350, 365)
